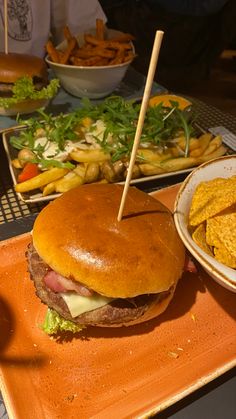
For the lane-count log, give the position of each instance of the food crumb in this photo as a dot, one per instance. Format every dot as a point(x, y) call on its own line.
point(173, 354)
point(71, 398)
point(180, 349)
point(35, 345)
point(193, 317)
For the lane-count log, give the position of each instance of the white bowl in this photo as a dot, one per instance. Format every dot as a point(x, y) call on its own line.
point(222, 167)
point(93, 82)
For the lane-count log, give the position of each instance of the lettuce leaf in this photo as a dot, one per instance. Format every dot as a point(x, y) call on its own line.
point(54, 323)
point(24, 89)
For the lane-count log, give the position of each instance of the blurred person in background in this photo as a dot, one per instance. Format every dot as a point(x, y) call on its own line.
point(32, 22)
point(196, 32)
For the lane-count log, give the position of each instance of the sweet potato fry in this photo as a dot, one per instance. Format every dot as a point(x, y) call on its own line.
point(70, 47)
point(100, 29)
point(67, 33)
point(119, 57)
point(94, 51)
point(52, 52)
point(124, 37)
point(86, 62)
point(90, 39)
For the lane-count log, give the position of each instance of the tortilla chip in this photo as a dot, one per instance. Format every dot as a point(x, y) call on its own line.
point(212, 238)
point(199, 236)
point(225, 225)
point(210, 198)
point(223, 256)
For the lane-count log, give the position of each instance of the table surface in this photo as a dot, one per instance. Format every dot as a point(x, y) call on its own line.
point(215, 400)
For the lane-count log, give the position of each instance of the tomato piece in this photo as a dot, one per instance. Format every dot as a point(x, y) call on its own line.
point(30, 170)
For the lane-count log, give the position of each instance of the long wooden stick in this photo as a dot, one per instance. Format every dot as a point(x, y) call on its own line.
point(143, 109)
point(5, 27)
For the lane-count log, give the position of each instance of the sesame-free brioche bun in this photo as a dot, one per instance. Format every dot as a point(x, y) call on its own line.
point(79, 237)
point(14, 66)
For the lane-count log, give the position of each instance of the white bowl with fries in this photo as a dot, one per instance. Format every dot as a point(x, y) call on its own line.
point(223, 167)
point(92, 76)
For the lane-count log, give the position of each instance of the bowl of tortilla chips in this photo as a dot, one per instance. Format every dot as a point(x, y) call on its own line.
point(205, 217)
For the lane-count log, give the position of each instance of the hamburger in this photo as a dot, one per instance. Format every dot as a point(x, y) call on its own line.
point(91, 270)
point(24, 84)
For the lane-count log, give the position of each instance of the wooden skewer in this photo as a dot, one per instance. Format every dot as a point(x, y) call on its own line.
point(5, 27)
point(143, 109)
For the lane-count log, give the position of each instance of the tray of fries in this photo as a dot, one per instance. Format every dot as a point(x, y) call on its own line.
point(49, 155)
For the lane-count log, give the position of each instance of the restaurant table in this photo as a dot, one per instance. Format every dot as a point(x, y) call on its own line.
point(217, 399)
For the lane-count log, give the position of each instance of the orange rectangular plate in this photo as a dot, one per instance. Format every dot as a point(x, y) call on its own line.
point(107, 373)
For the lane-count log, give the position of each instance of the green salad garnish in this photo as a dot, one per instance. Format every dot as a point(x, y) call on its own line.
point(24, 89)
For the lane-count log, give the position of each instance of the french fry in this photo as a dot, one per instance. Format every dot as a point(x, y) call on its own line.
point(179, 163)
point(203, 141)
point(147, 155)
point(170, 165)
point(81, 169)
point(93, 52)
point(69, 181)
point(90, 39)
point(214, 144)
point(40, 180)
point(92, 61)
point(16, 164)
point(67, 33)
point(100, 29)
point(72, 43)
point(92, 173)
point(49, 189)
point(148, 169)
point(52, 52)
point(89, 156)
point(220, 151)
point(129, 56)
point(124, 37)
point(119, 57)
point(193, 143)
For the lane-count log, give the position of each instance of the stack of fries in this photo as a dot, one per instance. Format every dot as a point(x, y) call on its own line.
point(96, 50)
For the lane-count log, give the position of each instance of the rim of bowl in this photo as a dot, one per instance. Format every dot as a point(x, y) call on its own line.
point(201, 256)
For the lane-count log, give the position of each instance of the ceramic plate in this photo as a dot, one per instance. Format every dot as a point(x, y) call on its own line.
point(104, 373)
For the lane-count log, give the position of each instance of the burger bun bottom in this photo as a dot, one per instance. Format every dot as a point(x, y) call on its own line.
point(156, 308)
point(24, 107)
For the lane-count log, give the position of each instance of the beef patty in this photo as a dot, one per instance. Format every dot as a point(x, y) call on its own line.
point(115, 313)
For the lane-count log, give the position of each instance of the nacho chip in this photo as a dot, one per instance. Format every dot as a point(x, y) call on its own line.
point(210, 198)
point(212, 237)
point(225, 225)
point(199, 236)
point(223, 256)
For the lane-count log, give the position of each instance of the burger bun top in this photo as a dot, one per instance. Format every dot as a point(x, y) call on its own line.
point(13, 66)
point(79, 237)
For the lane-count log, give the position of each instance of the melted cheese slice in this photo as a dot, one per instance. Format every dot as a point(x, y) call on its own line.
point(77, 304)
